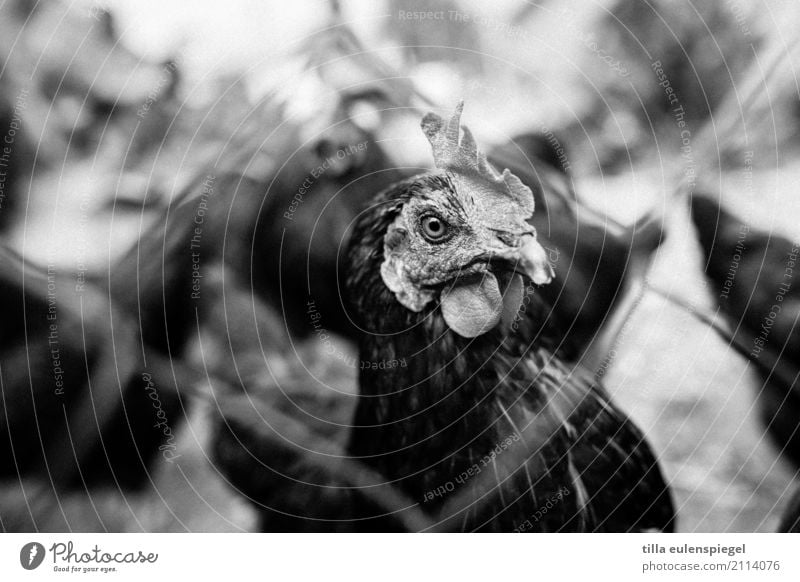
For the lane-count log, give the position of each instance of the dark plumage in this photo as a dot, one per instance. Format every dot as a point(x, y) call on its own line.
point(568, 460)
point(311, 201)
point(296, 474)
point(754, 277)
point(77, 409)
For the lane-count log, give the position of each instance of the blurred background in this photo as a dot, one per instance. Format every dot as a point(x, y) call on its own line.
point(158, 253)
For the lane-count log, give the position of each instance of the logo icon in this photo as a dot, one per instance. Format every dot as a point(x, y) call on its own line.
point(31, 555)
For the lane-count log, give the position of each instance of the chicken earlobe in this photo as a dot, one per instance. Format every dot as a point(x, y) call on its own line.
point(406, 293)
point(393, 269)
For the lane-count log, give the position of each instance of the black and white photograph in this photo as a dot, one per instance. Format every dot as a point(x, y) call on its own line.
point(372, 267)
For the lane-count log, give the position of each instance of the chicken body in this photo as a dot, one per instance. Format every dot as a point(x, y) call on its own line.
point(75, 413)
point(753, 274)
point(491, 432)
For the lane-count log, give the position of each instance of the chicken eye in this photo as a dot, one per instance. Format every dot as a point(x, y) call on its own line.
point(434, 228)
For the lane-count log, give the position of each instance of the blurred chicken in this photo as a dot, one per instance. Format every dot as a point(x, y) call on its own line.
point(80, 409)
point(80, 86)
point(437, 270)
point(294, 467)
point(598, 262)
point(753, 273)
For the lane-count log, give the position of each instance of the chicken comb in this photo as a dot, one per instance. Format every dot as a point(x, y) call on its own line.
point(454, 153)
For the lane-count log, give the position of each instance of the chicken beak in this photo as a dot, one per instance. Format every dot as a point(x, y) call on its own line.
point(533, 260)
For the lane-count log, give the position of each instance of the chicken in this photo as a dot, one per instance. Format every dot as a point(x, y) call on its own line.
point(79, 408)
point(80, 87)
point(467, 410)
point(296, 473)
point(753, 274)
